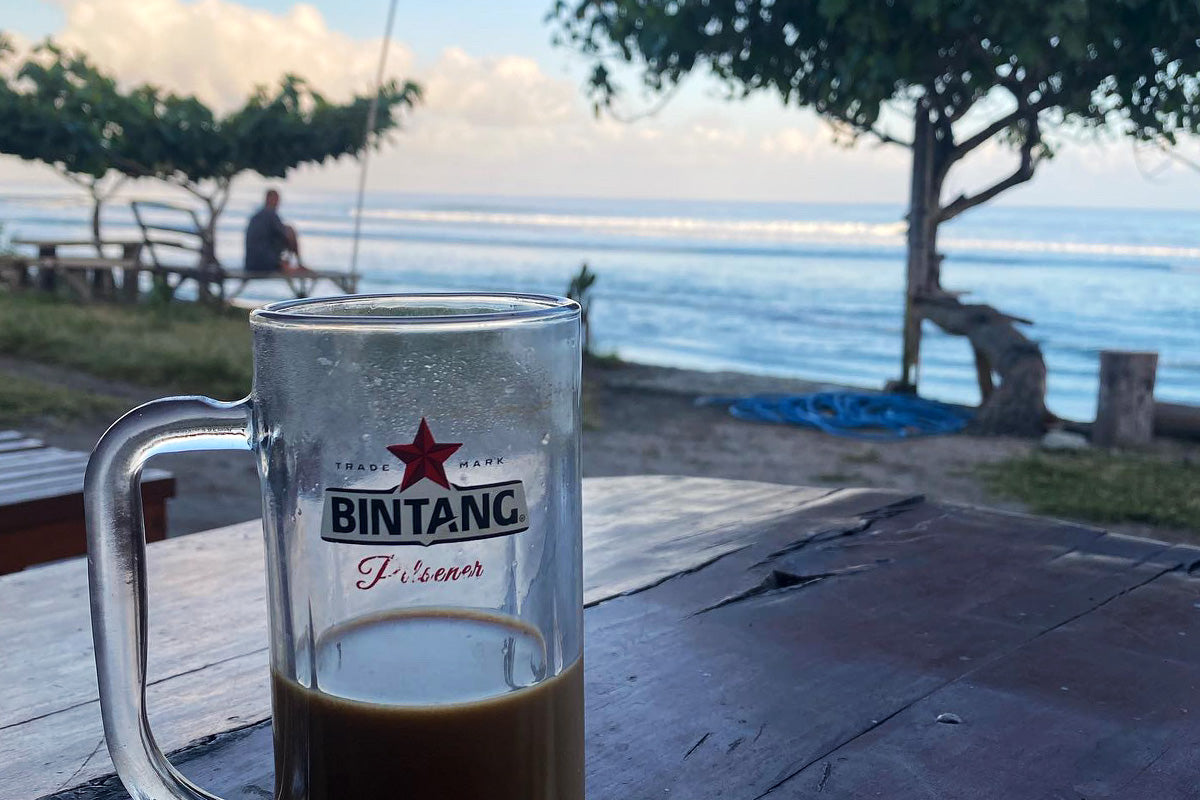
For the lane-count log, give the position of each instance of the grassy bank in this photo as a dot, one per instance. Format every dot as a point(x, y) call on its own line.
point(23, 399)
point(1103, 487)
point(181, 347)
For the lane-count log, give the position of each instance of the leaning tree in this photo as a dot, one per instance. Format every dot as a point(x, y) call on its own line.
point(960, 74)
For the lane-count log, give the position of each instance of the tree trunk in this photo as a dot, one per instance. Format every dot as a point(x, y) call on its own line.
point(97, 204)
point(922, 244)
point(1017, 407)
point(208, 254)
point(212, 275)
point(1125, 411)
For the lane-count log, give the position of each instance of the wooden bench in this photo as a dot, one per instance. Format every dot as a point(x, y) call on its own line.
point(41, 502)
point(169, 230)
point(81, 264)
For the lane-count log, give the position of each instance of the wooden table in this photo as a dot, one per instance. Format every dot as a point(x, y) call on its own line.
point(89, 276)
point(744, 641)
point(41, 503)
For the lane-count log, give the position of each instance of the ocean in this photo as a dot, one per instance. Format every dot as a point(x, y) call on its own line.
point(800, 290)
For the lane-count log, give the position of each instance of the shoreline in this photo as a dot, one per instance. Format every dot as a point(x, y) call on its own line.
point(638, 419)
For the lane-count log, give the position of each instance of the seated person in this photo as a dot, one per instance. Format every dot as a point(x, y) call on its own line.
point(272, 246)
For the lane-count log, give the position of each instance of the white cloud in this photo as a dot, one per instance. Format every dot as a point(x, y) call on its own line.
point(219, 50)
point(486, 125)
point(507, 91)
point(502, 124)
point(491, 124)
point(789, 141)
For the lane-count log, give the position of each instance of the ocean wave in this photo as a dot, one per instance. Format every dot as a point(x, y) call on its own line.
point(810, 231)
point(653, 226)
point(1165, 252)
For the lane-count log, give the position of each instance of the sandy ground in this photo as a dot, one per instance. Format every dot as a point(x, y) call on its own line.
point(638, 420)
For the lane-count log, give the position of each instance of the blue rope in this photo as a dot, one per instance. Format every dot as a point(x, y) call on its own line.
point(858, 415)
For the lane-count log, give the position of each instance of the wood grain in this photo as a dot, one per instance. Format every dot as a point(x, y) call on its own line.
point(208, 611)
point(1125, 404)
point(812, 656)
point(41, 503)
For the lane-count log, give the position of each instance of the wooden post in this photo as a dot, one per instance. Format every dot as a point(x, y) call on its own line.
point(1125, 411)
point(132, 253)
point(47, 277)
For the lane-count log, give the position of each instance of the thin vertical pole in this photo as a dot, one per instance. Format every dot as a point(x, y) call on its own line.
point(372, 113)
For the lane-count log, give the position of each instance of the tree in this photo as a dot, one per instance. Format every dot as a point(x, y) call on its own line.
point(966, 72)
point(579, 289)
point(59, 109)
point(271, 134)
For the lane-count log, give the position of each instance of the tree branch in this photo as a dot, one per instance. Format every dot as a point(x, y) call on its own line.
point(192, 189)
point(1023, 172)
point(1024, 110)
point(224, 188)
point(80, 182)
point(1169, 152)
point(971, 142)
point(887, 139)
point(648, 112)
point(856, 129)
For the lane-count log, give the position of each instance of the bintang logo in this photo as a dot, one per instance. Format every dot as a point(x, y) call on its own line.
point(425, 508)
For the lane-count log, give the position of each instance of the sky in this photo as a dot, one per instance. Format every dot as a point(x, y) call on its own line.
point(505, 112)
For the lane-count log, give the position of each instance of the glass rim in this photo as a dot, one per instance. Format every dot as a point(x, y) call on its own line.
point(535, 307)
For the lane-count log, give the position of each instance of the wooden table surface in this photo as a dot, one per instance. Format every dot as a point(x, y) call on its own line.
point(744, 640)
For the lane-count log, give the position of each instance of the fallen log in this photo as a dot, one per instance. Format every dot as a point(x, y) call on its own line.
point(1177, 420)
point(1017, 406)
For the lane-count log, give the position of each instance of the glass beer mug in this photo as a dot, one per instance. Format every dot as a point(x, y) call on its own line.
point(419, 459)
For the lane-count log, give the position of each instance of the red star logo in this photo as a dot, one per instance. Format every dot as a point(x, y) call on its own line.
point(424, 458)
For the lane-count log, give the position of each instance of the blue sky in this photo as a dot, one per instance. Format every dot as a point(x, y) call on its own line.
point(494, 28)
point(505, 113)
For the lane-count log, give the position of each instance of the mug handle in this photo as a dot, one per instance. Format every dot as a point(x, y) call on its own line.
point(116, 535)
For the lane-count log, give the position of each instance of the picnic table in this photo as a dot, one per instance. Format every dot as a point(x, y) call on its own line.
point(41, 503)
point(743, 641)
point(81, 264)
point(174, 247)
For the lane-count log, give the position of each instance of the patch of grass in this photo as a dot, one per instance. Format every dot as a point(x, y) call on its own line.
point(1102, 487)
point(609, 360)
point(182, 347)
point(23, 399)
